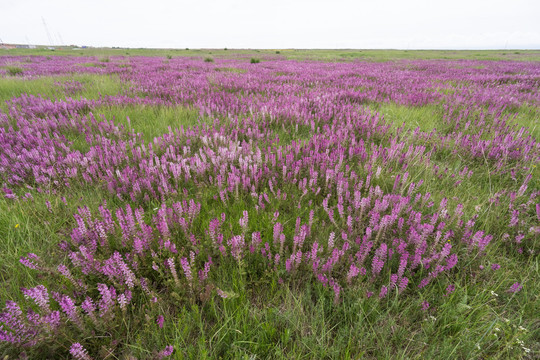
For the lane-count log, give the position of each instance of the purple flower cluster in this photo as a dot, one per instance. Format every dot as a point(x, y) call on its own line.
point(316, 185)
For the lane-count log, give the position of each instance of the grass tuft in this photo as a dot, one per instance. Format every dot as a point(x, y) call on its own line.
point(14, 70)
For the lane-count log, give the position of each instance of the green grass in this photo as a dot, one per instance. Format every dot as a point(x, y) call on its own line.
point(94, 86)
point(298, 320)
point(483, 184)
point(14, 70)
point(29, 226)
point(151, 121)
point(301, 321)
point(297, 54)
point(232, 70)
point(529, 116)
point(426, 118)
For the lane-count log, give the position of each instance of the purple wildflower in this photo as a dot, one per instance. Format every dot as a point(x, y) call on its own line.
point(516, 287)
point(160, 321)
point(383, 292)
point(165, 352)
point(79, 352)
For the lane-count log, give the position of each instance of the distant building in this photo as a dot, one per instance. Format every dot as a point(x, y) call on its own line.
point(16, 46)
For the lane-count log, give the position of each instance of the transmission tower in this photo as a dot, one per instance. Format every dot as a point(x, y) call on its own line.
point(47, 31)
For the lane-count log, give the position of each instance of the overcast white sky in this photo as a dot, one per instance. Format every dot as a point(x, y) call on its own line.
point(276, 24)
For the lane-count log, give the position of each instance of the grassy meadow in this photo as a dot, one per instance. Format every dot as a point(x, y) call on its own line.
point(294, 54)
point(214, 122)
